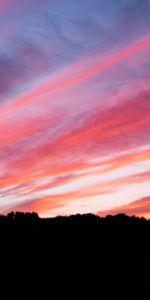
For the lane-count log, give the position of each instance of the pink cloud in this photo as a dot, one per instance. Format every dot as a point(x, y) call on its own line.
point(140, 208)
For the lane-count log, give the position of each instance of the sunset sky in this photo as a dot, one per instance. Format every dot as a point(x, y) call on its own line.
point(75, 106)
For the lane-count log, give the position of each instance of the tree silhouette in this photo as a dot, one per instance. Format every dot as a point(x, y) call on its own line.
point(113, 251)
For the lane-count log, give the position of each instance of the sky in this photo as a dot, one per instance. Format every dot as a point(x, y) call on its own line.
point(75, 107)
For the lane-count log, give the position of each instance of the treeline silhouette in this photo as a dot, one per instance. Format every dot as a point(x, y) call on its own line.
point(75, 237)
point(104, 256)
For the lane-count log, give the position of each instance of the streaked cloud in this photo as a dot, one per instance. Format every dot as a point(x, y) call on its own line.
point(75, 108)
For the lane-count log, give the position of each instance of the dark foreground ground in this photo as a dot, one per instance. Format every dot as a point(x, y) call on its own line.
point(77, 257)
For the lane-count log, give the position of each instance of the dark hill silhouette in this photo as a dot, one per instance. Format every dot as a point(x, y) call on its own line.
point(97, 258)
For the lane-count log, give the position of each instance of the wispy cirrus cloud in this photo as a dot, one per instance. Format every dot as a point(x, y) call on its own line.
point(74, 104)
point(140, 208)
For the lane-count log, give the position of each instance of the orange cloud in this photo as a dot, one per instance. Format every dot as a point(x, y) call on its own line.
point(140, 208)
point(46, 204)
